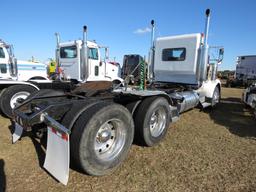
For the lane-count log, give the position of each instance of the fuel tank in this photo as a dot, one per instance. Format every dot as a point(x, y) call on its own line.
point(185, 100)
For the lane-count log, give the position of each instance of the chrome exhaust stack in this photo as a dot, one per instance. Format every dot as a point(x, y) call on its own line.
point(204, 50)
point(57, 52)
point(84, 61)
point(207, 25)
point(152, 33)
point(151, 66)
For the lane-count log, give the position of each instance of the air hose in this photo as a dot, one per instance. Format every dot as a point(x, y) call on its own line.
point(142, 75)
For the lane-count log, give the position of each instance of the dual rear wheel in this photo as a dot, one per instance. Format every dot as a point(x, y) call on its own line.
point(103, 133)
point(152, 119)
point(101, 138)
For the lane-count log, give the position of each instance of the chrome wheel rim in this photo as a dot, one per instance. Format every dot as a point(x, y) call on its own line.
point(157, 122)
point(19, 95)
point(215, 97)
point(109, 140)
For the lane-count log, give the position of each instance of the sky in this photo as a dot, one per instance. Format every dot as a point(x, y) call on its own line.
point(124, 26)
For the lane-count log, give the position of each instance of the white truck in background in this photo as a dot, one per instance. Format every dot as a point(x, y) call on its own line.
point(75, 65)
point(15, 76)
point(245, 73)
point(95, 127)
point(246, 67)
point(17, 70)
point(77, 61)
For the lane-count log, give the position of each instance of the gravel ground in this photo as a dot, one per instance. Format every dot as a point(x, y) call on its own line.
point(210, 150)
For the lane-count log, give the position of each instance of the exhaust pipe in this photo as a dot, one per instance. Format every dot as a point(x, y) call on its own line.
point(84, 69)
point(57, 52)
point(204, 50)
point(152, 33)
point(151, 75)
point(207, 24)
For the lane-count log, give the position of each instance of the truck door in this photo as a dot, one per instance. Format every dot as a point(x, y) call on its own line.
point(3, 63)
point(70, 62)
point(94, 64)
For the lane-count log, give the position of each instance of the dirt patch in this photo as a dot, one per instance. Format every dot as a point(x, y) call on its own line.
point(210, 150)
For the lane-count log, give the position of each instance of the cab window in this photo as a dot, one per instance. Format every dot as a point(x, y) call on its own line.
point(3, 68)
point(68, 52)
point(2, 55)
point(93, 53)
point(174, 54)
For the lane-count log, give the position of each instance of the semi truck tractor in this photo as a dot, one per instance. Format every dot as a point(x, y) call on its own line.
point(246, 67)
point(245, 73)
point(77, 61)
point(94, 125)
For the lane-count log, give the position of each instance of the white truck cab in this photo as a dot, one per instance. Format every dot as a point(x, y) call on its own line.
point(85, 66)
point(183, 59)
point(176, 58)
point(12, 69)
point(4, 60)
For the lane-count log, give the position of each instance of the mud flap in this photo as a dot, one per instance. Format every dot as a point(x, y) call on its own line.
point(17, 133)
point(57, 155)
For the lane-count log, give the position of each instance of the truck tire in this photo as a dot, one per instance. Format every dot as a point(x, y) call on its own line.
point(11, 94)
point(101, 138)
point(215, 97)
point(152, 119)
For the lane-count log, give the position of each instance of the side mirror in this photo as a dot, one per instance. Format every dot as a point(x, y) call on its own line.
point(106, 53)
point(221, 54)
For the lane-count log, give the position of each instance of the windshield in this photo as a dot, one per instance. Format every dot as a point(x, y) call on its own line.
point(2, 55)
point(68, 52)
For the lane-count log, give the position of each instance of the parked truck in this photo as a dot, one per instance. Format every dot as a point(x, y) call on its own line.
point(77, 61)
point(14, 75)
point(249, 97)
point(94, 125)
point(245, 71)
point(246, 67)
point(13, 69)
